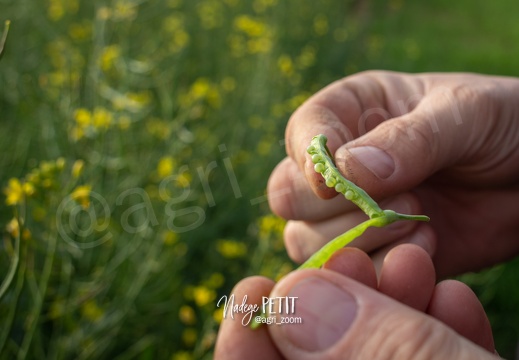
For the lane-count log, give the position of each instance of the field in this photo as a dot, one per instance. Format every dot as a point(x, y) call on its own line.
point(137, 140)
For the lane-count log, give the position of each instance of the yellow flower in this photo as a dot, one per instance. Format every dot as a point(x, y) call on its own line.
point(182, 355)
point(77, 168)
point(218, 315)
point(169, 237)
point(102, 118)
point(179, 40)
point(187, 315)
point(200, 88)
point(57, 309)
point(109, 56)
point(250, 26)
point(55, 10)
point(28, 188)
point(215, 280)
point(14, 192)
point(203, 295)
point(189, 336)
point(260, 45)
point(321, 25)
point(77, 133)
point(104, 13)
point(178, 37)
point(124, 122)
point(210, 13)
point(81, 195)
point(286, 65)
point(231, 249)
point(294, 102)
point(26, 234)
point(60, 163)
point(91, 311)
point(271, 224)
point(39, 213)
point(141, 99)
point(13, 228)
point(261, 5)
point(159, 128)
point(228, 84)
point(83, 117)
point(307, 57)
point(124, 10)
point(184, 179)
point(165, 166)
point(80, 31)
point(264, 147)
point(237, 45)
point(46, 167)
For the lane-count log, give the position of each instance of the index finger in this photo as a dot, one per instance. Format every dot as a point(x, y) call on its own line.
point(343, 111)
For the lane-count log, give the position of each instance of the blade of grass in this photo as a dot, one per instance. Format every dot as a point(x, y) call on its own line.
point(8, 320)
point(13, 267)
point(4, 37)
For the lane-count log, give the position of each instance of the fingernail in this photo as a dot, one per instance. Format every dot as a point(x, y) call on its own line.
point(326, 311)
point(375, 160)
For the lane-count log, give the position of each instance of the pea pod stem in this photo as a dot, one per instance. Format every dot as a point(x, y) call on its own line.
point(325, 253)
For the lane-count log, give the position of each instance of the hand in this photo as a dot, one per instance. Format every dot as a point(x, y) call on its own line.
point(346, 317)
point(443, 145)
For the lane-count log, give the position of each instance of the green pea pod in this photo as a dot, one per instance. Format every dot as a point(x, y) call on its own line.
point(324, 164)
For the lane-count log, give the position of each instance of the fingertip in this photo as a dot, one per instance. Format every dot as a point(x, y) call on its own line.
point(235, 339)
point(291, 196)
point(408, 276)
point(302, 240)
point(422, 235)
point(293, 244)
point(456, 305)
point(355, 264)
point(279, 189)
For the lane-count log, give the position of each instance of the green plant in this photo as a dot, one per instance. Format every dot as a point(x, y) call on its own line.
point(324, 164)
point(4, 37)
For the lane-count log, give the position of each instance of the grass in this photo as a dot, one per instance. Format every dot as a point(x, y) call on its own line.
point(142, 134)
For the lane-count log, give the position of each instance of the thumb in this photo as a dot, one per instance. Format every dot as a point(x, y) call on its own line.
point(401, 152)
point(343, 319)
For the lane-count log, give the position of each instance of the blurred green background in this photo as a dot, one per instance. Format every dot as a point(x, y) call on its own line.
point(137, 140)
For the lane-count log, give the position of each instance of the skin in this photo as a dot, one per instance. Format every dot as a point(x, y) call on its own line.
point(459, 167)
point(407, 282)
point(451, 141)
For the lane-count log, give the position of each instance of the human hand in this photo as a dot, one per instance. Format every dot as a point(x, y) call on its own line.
point(345, 317)
point(444, 145)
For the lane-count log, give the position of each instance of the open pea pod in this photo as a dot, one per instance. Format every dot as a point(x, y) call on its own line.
point(325, 165)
